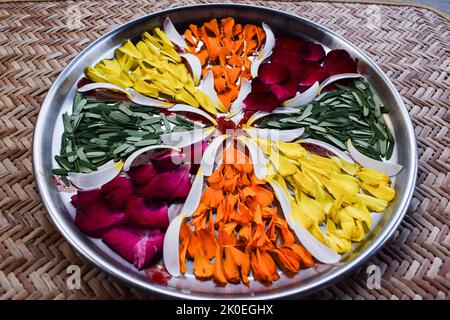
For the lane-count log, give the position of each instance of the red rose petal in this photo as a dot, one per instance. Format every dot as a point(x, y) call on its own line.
point(259, 86)
point(168, 185)
point(117, 192)
point(314, 52)
point(136, 245)
point(168, 161)
point(142, 174)
point(339, 61)
point(286, 89)
point(94, 218)
point(266, 101)
point(290, 43)
point(84, 199)
point(312, 72)
point(274, 72)
point(151, 215)
point(194, 154)
point(285, 56)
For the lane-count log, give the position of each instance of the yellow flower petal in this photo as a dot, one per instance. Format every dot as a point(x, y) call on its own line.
point(372, 203)
point(291, 150)
point(304, 182)
point(282, 164)
point(370, 175)
point(350, 168)
point(381, 191)
point(130, 49)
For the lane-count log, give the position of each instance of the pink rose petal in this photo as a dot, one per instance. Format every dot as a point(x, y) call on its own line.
point(136, 245)
point(117, 192)
point(339, 61)
point(147, 214)
point(274, 72)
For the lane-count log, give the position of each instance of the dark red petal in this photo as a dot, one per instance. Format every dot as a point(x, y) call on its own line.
point(302, 88)
point(117, 192)
point(339, 61)
point(290, 43)
point(142, 174)
point(312, 72)
point(83, 199)
point(274, 72)
point(96, 219)
point(136, 245)
point(194, 154)
point(168, 185)
point(257, 101)
point(74, 200)
point(285, 56)
point(168, 161)
point(147, 214)
point(286, 89)
point(259, 86)
point(314, 52)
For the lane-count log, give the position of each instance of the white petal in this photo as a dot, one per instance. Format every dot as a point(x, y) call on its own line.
point(207, 86)
point(244, 90)
point(303, 98)
point(275, 134)
point(320, 251)
point(134, 155)
point(337, 77)
point(103, 85)
point(173, 35)
point(388, 168)
point(191, 109)
point(195, 65)
point(138, 98)
point(171, 246)
point(209, 156)
point(95, 179)
point(259, 161)
point(183, 139)
point(237, 117)
point(266, 51)
point(194, 196)
point(330, 148)
point(261, 114)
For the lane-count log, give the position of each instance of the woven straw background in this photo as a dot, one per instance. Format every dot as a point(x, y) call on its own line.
point(38, 39)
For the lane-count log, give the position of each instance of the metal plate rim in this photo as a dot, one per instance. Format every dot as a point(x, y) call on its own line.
point(97, 260)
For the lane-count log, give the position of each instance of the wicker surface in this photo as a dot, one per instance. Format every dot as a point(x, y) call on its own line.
point(38, 39)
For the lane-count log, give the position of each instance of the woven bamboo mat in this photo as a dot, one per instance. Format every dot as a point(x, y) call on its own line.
point(38, 39)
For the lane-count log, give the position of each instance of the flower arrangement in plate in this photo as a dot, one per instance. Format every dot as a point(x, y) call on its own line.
point(232, 153)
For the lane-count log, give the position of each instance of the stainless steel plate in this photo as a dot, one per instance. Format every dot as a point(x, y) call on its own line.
point(59, 98)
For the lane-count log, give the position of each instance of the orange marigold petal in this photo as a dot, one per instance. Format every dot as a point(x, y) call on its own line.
point(218, 270)
point(207, 242)
point(203, 269)
point(242, 259)
point(306, 257)
point(230, 267)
